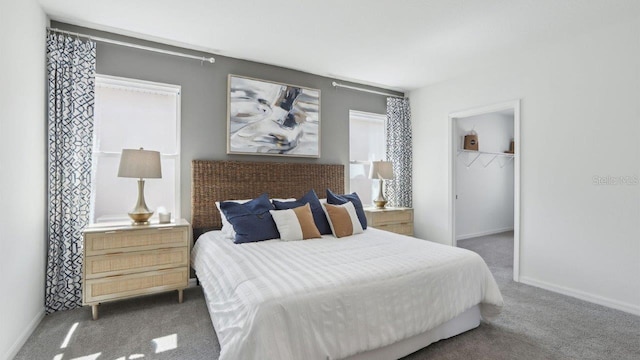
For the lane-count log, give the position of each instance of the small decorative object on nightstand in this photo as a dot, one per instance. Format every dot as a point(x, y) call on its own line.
point(397, 220)
point(382, 170)
point(123, 261)
point(164, 216)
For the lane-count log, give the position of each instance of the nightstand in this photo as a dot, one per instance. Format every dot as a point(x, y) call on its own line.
point(123, 261)
point(397, 220)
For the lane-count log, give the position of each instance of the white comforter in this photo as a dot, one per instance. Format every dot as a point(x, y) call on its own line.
point(331, 298)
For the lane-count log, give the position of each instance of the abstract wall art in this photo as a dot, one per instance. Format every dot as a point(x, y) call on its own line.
point(269, 118)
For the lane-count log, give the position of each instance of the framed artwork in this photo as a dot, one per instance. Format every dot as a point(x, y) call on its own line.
point(269, 118)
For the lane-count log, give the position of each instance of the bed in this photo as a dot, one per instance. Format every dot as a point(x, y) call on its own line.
point(375, 295)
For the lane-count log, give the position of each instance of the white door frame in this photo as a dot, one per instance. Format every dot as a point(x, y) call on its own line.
point(515, 105)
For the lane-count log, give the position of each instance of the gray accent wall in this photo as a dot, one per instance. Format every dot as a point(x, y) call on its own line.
point(204, 100)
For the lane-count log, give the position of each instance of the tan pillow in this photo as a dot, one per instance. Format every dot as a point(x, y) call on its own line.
point(296, 223)
point(343, 219)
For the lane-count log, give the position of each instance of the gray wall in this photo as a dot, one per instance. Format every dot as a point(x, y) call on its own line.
point(204, 100)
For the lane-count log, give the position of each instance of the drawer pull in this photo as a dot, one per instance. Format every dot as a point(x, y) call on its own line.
point(166, 228)
point(110, 232)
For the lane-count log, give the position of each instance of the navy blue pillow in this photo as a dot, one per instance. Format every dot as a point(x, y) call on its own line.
point(252, 220)
point(334, 199)
point(319, 218)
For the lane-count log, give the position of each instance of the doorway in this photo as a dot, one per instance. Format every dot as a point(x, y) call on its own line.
point(485, 183)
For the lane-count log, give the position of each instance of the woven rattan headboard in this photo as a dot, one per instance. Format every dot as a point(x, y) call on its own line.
point(213, 181)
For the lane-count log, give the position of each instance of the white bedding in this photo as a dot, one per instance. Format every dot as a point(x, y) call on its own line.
point(331, 298)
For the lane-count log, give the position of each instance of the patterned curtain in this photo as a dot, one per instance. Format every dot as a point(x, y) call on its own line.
point(399, 152)
point(71, 65)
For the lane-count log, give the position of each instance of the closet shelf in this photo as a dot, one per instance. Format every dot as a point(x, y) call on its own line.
point(493, 155)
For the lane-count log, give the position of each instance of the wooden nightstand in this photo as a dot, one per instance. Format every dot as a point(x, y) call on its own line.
point(123, 261)
point(397, 220)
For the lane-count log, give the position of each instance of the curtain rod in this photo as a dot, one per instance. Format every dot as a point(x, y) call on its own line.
point(335, 84)
point(135, 46)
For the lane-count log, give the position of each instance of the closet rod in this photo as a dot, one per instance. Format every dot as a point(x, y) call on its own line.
point(335, 84)
point(135, 46)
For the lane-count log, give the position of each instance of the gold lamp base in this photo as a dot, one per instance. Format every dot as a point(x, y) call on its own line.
point(141, 213)
point(140, 218)
point(380, 202)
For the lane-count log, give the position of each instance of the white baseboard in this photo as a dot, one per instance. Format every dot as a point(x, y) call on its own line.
point(483, 233)
point(193, 282)
point(17, 345)
point(596, 299)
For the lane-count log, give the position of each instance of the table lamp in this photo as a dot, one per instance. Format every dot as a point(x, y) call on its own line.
point(141, 164)
point(382, 170)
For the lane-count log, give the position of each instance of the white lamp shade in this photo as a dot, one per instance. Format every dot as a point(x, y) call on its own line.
point(381, 170)
point(139, 163)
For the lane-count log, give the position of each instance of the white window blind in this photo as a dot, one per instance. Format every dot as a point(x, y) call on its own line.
point(130, 114)
point(367, 142)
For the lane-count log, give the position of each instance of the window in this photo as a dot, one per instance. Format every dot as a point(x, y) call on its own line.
point(130, 114)
point(367, 142)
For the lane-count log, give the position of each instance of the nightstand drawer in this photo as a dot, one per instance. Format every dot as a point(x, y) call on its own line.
point(115, 287)
point(404, 228)
point(135, 240)
point(140, 261)
point(390, 217)
point(397, 220)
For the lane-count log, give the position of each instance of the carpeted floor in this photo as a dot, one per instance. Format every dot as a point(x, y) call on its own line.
point(534, 324)
point(537, 324)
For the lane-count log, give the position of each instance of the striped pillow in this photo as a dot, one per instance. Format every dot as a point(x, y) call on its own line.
point(343, 219)
point(296, 223)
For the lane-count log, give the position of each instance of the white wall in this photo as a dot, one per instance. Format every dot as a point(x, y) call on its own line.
point(580, 118)
point(484, 203)
point(22, 171)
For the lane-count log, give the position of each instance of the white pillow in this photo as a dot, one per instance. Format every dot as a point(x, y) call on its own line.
point(343, 219)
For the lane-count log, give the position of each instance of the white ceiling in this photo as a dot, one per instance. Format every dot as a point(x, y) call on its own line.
point(399, 45)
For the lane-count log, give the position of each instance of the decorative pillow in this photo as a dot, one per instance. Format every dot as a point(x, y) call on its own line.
point(319, 218)
point(227, 228)
point(251, 221)
point(343, 219)
point(296, 223)
point(357, 204)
